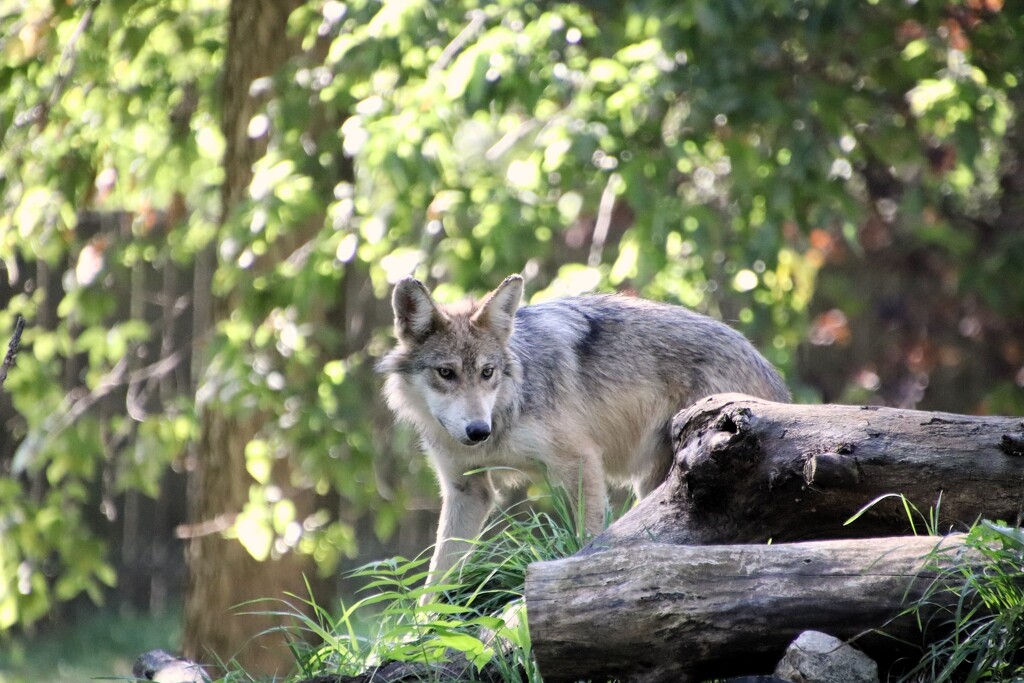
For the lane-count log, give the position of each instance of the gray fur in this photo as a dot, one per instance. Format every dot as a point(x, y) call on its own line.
point(584, 388)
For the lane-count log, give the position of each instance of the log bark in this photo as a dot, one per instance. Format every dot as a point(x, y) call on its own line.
point(657, 612)
point(750, 471)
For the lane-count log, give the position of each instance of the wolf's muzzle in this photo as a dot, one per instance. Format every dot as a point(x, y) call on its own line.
point(478, 431)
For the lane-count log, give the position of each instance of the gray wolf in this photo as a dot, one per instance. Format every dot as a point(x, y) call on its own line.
point(583, 388)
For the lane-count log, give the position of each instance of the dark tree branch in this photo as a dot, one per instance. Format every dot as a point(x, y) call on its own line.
point(12, 349)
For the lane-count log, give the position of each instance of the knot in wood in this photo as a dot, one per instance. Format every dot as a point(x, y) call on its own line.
point(1012, 444)
point(832, 469)
point(716, 456)
point(733, 421)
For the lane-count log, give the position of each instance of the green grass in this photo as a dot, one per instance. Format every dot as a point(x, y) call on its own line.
point(971, 616)
point(977, 609)
point(476, 612)
point(102, 644)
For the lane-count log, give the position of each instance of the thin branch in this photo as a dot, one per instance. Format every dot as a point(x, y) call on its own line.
point(12, 349)
point(135, 399)
point(604, 219)
point(77, 402)
point(510, 138)
point(476, 22)
point(218, 525)
point(69, 55)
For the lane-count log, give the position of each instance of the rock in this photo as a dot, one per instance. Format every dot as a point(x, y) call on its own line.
point(816, 657)
point(163, 667)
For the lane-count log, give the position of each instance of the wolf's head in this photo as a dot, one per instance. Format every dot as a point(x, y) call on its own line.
point(451, 361)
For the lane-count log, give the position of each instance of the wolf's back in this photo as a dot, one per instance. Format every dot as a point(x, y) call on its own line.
point(600, 344)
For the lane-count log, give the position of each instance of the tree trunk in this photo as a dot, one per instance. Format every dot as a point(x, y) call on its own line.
point(223, 576)
point(653, 612)
point(752, 471)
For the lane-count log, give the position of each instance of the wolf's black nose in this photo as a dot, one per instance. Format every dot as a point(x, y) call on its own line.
point(478, 431)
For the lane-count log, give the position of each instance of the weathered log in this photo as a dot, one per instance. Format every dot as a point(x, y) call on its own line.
point(750, 471)
point(657, 612)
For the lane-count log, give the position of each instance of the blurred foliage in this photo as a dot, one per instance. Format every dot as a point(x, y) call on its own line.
point(722, 155)
point(107, 107)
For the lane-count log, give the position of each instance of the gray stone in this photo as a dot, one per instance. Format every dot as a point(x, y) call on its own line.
point(163, 667)
point(816, 657)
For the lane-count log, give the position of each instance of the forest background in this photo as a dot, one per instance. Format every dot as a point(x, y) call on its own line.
point(204, 204)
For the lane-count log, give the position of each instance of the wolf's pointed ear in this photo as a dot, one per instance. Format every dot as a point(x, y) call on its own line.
point(499, 308)
point(416, 314)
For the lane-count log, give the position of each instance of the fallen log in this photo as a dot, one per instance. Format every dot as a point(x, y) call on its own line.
point(751, 471)
point(657, 612)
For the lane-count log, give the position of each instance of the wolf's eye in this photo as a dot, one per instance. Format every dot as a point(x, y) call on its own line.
point(487, 372)
point(446, 373)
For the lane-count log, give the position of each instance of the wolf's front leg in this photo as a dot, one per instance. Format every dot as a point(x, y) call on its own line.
point(465, 503)
point(581, 473)
point(595, 493)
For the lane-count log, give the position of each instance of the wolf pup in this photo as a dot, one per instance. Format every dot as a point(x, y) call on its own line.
point(583, 388)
